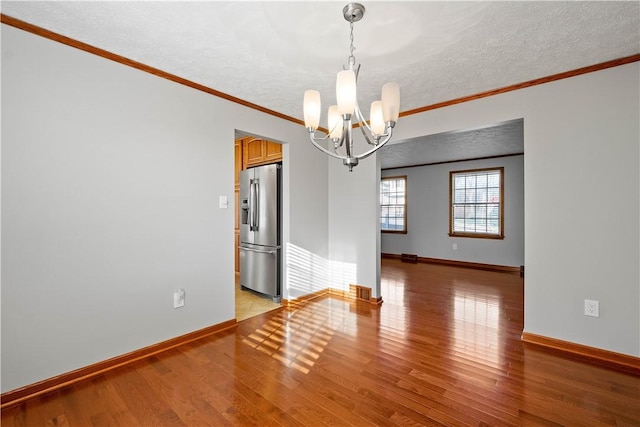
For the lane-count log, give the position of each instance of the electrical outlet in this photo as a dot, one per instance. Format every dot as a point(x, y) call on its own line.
point(591, 308)
point(178, 298)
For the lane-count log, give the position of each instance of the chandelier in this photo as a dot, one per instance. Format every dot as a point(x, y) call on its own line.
point(382, 117)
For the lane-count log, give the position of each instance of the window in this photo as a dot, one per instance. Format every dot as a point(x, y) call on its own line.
point(477, 205)
point(393, 204)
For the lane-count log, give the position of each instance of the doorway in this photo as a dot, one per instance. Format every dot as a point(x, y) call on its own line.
point(250, 151)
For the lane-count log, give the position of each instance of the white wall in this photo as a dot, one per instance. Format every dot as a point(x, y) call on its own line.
point(354, 242)
point(110, 186)
point(428, 215)
point(581, 180)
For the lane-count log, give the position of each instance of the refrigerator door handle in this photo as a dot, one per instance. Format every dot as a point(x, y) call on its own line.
point(258, 250)
point(251, 206)
point(256, 205)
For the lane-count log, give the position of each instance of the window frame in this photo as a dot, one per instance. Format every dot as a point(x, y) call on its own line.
point(404, 230)
point(453, 233)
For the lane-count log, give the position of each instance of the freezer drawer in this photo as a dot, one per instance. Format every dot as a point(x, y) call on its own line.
point(259, 270)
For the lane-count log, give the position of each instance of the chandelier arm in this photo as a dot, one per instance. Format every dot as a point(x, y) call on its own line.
point(324, 150)
point(366, 137)
point(361, 121)
point(364, 125)
point(377, 147)
point(312, 134)
point(331, 131)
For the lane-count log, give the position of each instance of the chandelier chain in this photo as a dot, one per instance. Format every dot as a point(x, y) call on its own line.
point(352, 59)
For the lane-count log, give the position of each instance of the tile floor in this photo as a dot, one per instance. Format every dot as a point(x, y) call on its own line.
point(249, 304)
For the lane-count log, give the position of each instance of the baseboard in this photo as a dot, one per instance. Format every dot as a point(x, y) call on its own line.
point(19, 395)
point(609, 359)
point(350, 295)
point(462, 264)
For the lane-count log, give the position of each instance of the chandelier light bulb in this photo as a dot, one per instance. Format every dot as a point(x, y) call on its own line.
point(376, 118)
point(334, 121)
point(346, 91)
point(311, 108)
point(390, 102)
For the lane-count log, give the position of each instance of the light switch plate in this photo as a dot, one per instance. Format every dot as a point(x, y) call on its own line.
point(178, 298)
point(224, 202)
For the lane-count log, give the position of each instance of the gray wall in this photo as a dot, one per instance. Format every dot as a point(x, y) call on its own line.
point(110, 186)
point(354, 236)
point(136, 163)
point(428, 216)
point(582, 199)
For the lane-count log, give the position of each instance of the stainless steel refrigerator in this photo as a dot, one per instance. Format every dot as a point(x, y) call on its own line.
point(260, 223)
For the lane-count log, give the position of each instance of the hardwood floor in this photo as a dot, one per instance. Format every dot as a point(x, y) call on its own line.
point(443, 349)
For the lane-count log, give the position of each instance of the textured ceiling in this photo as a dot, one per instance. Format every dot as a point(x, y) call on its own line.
point(268, 53)
point(501, 139)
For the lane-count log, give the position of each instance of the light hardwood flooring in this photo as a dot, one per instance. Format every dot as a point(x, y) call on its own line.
point(443, 349)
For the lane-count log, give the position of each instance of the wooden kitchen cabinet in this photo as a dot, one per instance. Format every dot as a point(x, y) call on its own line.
point(257, 152)
point(237, 162)
point(272, 152)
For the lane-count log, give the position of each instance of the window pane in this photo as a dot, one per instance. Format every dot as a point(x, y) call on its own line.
point(476, 201)
point(481, 195)
point(392, 204)
point(494, 194)
point(469, 211)
point(470, 196)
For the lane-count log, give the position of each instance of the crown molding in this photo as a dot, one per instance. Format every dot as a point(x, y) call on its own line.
point(534, 82)
point(34, 29)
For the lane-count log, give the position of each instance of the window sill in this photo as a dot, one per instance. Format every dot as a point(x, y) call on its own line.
point(478, 235)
